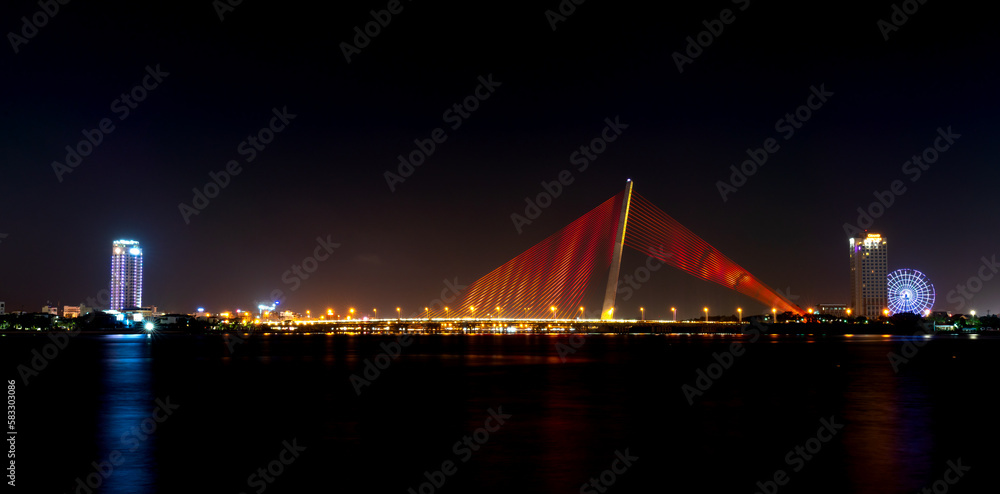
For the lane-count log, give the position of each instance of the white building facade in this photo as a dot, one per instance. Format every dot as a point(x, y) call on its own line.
point(126, 274)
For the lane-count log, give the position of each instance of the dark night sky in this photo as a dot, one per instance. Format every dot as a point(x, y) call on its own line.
point(323, 175)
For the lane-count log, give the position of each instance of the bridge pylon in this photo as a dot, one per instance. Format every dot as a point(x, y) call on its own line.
point(607, 312)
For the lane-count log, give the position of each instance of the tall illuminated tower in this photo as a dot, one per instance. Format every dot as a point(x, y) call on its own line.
point(869, 292)
point(126, 274)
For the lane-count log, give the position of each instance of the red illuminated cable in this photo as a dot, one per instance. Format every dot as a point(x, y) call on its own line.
point(557, 271)
point(552, 273)
point(649, 226)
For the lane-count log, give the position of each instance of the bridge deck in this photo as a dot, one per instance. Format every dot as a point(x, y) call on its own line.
point(499, 326)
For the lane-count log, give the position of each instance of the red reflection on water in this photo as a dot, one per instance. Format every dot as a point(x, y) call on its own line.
point(888, 426)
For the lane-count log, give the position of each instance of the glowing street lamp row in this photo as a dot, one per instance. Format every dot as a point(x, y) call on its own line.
point(265, 309)
point(499, 310)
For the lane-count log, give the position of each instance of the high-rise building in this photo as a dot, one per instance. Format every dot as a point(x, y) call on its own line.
point(869, 289)
point(126, 274)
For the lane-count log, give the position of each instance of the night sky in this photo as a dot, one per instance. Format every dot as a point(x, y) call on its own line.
point(323, 175)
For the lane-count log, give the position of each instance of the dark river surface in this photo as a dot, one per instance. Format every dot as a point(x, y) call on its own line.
point(510, 413)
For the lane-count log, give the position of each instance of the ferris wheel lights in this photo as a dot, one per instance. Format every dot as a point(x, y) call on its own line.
point(909, 290)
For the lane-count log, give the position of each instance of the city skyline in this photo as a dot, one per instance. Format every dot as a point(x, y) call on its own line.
point(776, 142)
point(868, 260)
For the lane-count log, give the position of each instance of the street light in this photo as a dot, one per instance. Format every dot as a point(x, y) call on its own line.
point(472, 310)
point(740, 312)
point(427, 312)
point(553, 309)
point(446, 313)
point(706, 314)
point(674, 310)
point(642, 314)
point(498, 311)
point(581, 312)
point(398, 315)
point(774, 315)
point(376, 314)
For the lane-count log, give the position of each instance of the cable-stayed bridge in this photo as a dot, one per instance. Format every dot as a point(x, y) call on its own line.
point(543, 287)
point(549, 280)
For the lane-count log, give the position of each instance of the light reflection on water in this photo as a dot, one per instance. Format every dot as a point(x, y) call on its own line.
point(126, 402)
point(889, 438)
point(571, 412)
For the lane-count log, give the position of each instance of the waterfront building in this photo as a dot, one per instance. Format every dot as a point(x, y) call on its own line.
point(126, 274)
point(869, 268)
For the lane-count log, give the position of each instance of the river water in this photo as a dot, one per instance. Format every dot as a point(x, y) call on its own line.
point(510, 413)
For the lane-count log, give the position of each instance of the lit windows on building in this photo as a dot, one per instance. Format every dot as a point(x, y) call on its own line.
point(126, 274)
point(869, 268)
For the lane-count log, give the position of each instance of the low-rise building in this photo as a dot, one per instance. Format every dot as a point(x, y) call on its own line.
point(137, 315)
point(839, 310)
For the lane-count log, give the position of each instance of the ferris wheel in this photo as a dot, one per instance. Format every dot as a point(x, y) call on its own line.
point(909, 291)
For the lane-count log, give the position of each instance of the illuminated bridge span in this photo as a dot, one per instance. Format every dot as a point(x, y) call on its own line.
point(550, 279)
point(467, 325)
